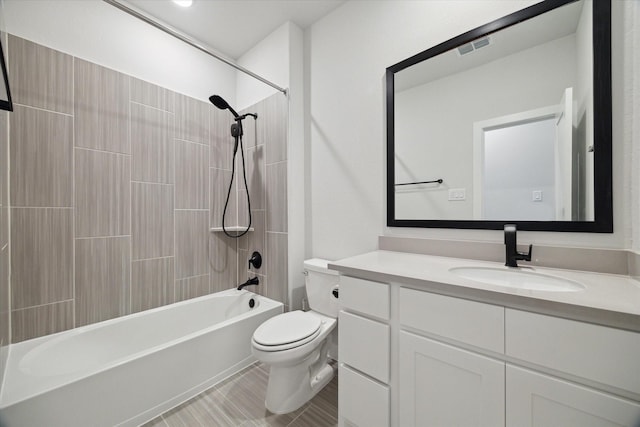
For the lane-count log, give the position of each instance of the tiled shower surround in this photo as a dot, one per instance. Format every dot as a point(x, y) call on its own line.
point(114, 184)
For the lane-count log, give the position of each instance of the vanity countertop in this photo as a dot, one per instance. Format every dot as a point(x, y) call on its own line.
point(608, 299)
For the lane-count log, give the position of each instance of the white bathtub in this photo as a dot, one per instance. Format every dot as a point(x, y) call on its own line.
point(127, 370)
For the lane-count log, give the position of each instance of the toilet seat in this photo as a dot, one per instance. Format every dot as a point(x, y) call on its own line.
point(285, 331)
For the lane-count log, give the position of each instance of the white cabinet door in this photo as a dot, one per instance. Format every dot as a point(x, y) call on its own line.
point(441, 385)
point(538, 400)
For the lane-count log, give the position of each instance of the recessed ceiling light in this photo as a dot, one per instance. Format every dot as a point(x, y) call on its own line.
point(183, 3)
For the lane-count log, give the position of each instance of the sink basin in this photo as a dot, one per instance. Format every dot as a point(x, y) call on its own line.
point(517, 279)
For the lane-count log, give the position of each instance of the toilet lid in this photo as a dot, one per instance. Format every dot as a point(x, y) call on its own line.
point(287, 328)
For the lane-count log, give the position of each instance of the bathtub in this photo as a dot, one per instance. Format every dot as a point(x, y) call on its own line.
point(126, 371)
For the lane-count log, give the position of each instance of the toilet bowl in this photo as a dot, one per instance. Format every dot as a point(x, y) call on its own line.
point(295, 344)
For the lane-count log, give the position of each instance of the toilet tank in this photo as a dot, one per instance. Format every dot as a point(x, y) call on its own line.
point(320, 283)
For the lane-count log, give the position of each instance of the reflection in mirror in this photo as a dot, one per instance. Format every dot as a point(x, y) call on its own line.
point(506, 120)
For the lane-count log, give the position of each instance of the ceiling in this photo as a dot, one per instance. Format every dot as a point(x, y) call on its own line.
point(232, 27)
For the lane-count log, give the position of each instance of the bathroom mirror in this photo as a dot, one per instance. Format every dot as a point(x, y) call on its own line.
point(507, 123)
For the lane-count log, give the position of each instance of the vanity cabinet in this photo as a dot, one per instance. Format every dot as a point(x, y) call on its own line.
point(417, 358)
point(441, 385)
point(364, 353)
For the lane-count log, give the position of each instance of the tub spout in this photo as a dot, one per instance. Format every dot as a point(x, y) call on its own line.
point(252, 281)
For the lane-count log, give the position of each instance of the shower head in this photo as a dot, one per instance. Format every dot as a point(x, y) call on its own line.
point(219, 102)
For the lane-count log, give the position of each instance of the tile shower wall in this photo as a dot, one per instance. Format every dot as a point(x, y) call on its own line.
point(114, 185)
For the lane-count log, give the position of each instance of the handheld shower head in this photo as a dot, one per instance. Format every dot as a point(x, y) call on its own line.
point(219, 102)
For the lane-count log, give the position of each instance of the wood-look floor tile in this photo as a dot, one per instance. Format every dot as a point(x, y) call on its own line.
point(248, 392)
point(313, 416)
point(156, 422)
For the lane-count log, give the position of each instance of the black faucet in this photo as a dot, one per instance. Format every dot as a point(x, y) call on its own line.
point(511, 251)
point(252, 281)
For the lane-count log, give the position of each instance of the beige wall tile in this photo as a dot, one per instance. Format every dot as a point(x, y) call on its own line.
point(41, 158)
point(277, 266)
point(101, 108)
point(219, 185)
point(223, 262)
point(41, 320)
point(243, 208)
point(152, 283)
point(40, 77)
point(151, 220)
point(191, 241)
point(102, 193)
point(152, 157)
point(276, 197)
point(149, 94)
point(41, 256)
point(192, 175)
point(221, 141)
point(192, 119)
point(256, 241)
point(4, 164)
point(5, 307)
point(191, 287)
point(102, 279)
point(256, 176)
point(274, 129)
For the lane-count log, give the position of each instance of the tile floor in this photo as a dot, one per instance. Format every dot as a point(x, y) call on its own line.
point(239, 401)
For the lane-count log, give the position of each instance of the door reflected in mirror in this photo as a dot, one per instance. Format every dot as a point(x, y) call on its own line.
point(507, 120)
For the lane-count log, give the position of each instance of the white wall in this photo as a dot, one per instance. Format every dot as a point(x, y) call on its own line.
point(279, 58)
point(100, 33)
point(632, 117)
point(349, 51)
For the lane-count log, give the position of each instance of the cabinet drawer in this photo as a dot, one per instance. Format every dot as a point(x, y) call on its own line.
point(364, 345)
point(470, 322)
point(362, 402)
point(598, 353)
point(365, 296)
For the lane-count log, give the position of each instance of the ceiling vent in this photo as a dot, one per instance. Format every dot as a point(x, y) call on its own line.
point(474, 45)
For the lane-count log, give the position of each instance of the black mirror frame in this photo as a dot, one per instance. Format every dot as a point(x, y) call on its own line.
point(5, 104)
point(603, 188)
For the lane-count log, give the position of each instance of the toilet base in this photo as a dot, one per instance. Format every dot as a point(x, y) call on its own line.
point(291, 387)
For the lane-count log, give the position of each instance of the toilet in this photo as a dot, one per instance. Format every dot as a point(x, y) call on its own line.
point(295, 344)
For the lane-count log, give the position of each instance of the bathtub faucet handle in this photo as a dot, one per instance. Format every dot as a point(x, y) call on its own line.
point(252, 281)
point(255, 260)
